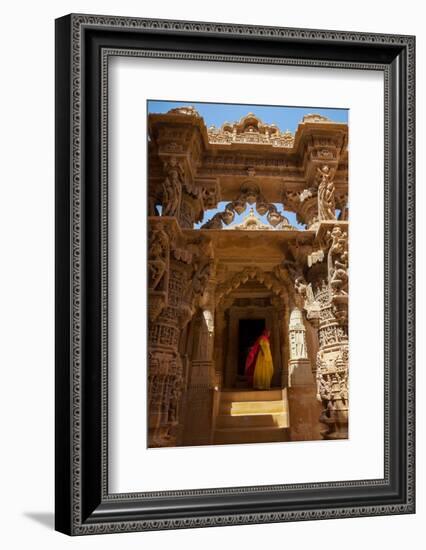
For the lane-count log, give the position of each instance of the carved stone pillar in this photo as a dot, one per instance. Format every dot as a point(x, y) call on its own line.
point(164, 364)
point(333, 354)
point(178, 274)
point(220, 347)
point(299, 369)
point(323, 290)
point(303, 406)
point(165, 372)
point(285, 355)
point(199, 395)
point(195, 297)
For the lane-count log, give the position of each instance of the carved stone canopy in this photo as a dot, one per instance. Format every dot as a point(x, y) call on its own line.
point(222, 160)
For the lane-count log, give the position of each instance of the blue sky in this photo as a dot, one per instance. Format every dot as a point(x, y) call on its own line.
point(285, 117)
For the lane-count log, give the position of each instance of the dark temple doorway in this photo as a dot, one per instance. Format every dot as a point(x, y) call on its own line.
point(248, 332)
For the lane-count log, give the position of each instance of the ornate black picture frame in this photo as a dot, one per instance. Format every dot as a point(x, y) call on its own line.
point(83, 45)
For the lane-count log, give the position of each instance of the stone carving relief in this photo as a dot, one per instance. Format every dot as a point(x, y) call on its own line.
point(269, 280)
point(249, 130)
point(210, 193)
point(304, 203)
point(172, 187)
point(180, 197)
point(158, 258)
point(197, 278)
point(249, 194)
point(332, 357)
point(303, 289)
point(165, 372)
point(158, 269)
point(333, 390)
point(310, 302)
point(326, 201)
point(297, 336)
point(165, 383)
point(338, 261)
point(299, 366)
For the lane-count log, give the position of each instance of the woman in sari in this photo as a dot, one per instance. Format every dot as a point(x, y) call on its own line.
point(259, 367)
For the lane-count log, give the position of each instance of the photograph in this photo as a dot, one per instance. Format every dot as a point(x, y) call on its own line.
point(248, 262)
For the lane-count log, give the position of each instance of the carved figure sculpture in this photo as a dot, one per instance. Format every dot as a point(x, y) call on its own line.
point(326, 203)
point(157, 257)
point(172, 189)
point(338, 262)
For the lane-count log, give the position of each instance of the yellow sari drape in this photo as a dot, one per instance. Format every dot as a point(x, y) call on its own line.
point(264, 368)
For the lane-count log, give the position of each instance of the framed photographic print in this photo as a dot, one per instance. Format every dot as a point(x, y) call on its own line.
point(234, 274)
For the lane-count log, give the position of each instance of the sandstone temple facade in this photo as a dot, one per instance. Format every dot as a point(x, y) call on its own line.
point(212, 289)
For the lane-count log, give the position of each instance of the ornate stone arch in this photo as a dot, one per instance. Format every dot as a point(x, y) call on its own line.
point(278, 286)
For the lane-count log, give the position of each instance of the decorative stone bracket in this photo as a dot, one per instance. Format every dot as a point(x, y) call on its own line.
point(249, 194)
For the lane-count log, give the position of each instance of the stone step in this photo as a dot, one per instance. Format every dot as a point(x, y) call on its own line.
point(234, 408)
point(250, 435)
point(254, 421)
point(251, 395)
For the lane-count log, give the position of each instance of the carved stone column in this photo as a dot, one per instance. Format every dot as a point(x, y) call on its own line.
point(179, 270)
point(221, 341)
point(322, 287)
point(303, 406)
point(299, 369)
point(197, 300)
point(333, 354)
point(165, 372)
point(199, 395)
